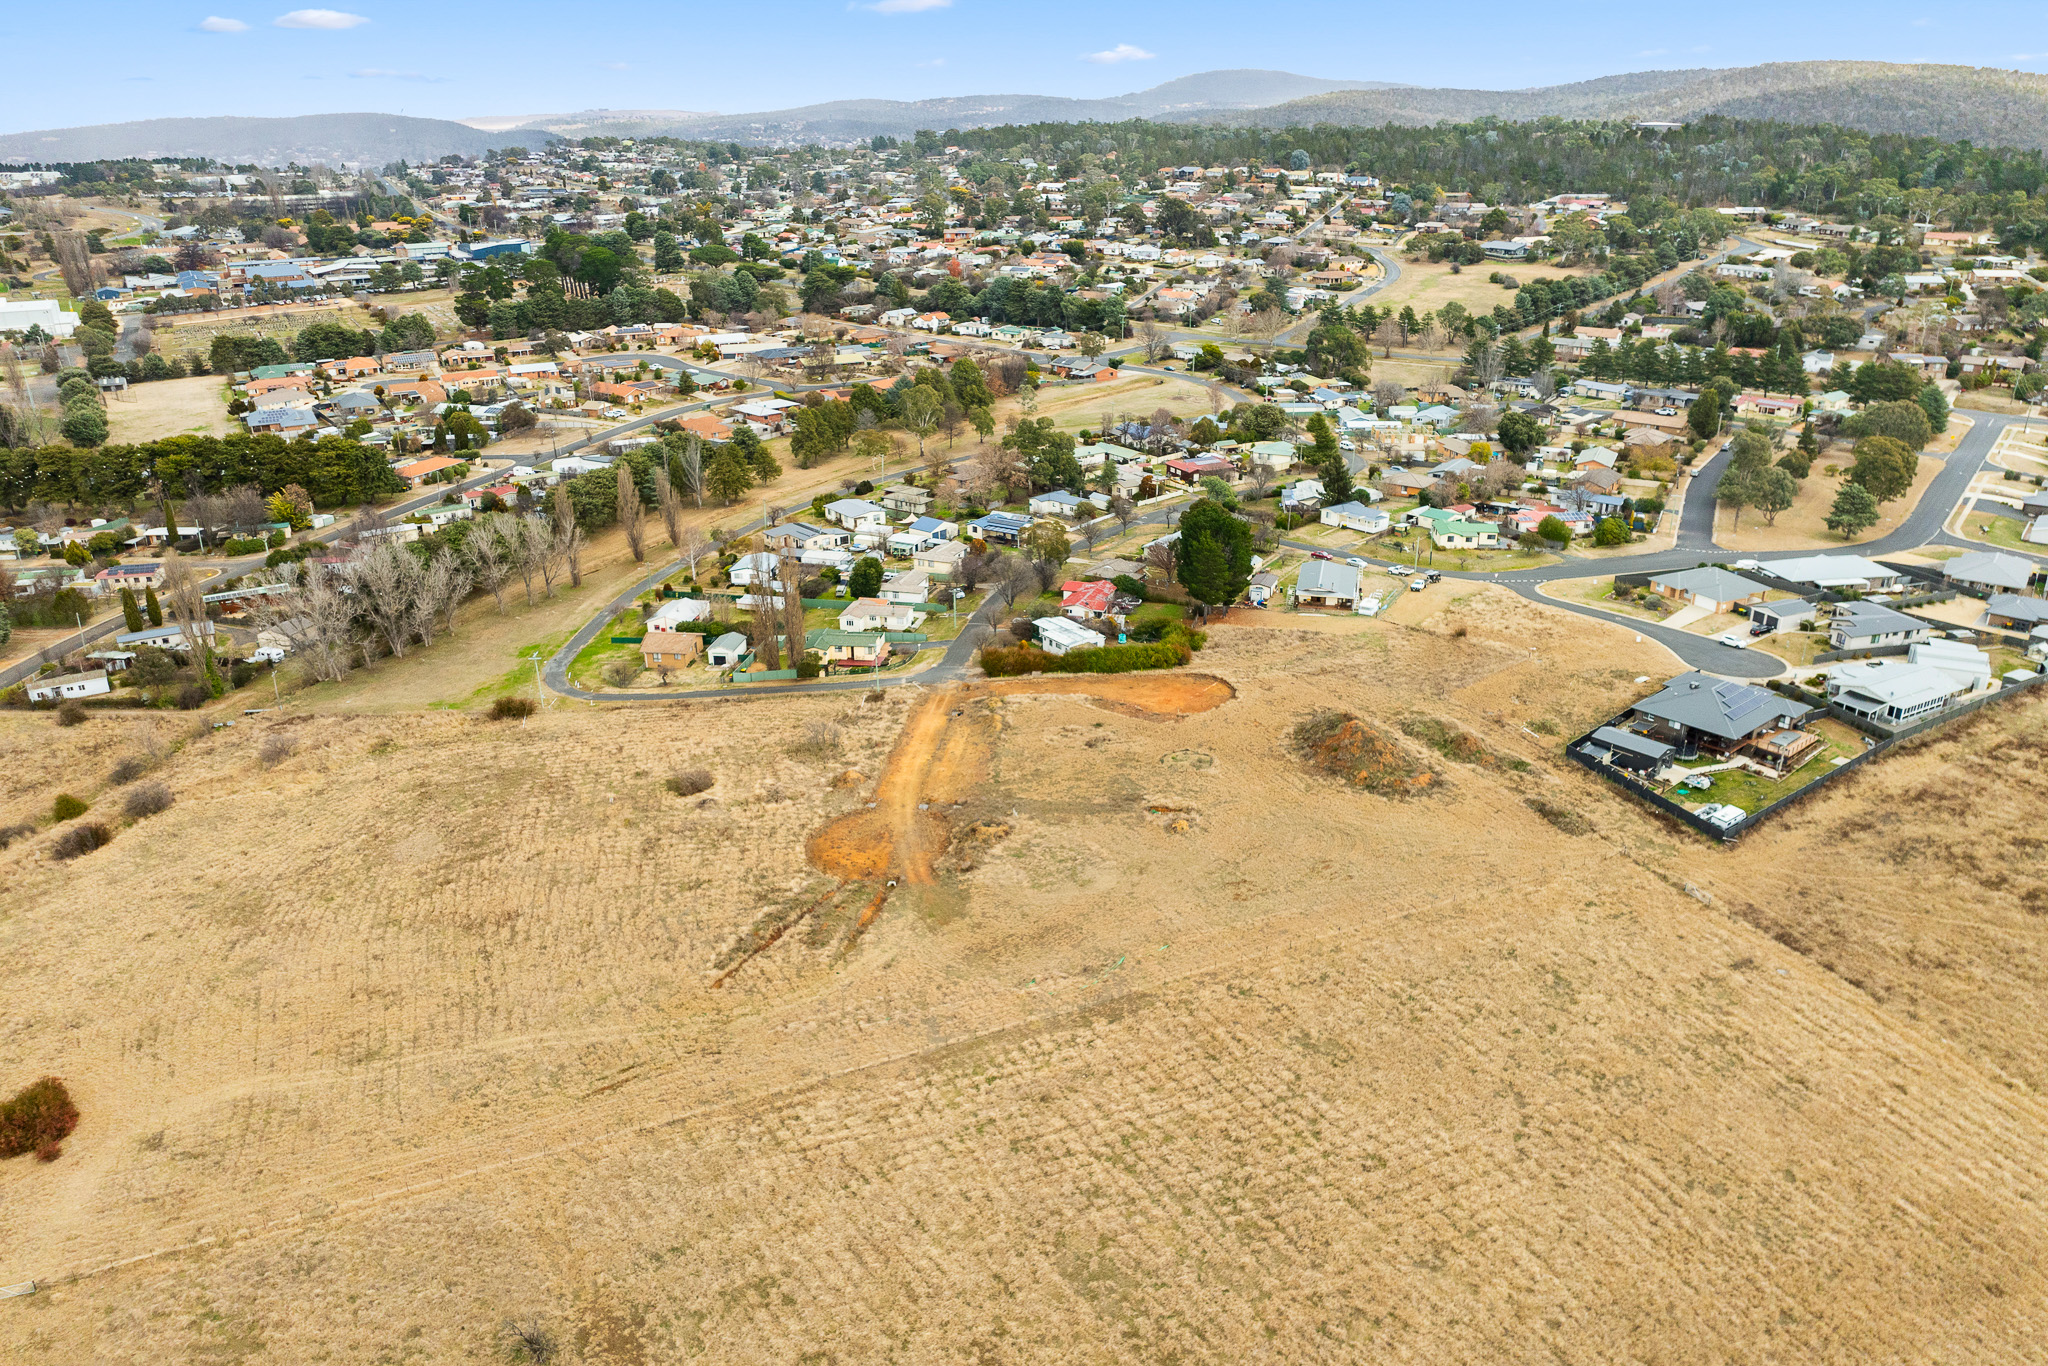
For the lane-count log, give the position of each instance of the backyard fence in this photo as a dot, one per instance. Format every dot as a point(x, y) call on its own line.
point(1886, 740)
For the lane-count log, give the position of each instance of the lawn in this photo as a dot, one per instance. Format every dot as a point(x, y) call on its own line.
point(1796, 648)
point(2003, 532)
point(1752, 792)
point(1600, 593)
point(587, 669)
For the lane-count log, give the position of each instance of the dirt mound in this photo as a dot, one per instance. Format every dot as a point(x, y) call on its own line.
point(1458, 745)
point(851, 778)
point(1340, 744)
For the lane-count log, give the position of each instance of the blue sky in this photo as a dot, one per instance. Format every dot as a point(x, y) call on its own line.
point(460, 59)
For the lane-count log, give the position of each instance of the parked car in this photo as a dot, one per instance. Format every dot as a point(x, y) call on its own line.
point(1733, 640)
point(1417, 585)
point(1355, 562)
point(1760, 629)
point(1667, 412)
point(1321, 555)
point(1434, 576)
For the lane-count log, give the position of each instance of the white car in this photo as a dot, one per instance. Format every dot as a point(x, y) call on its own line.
point(615, 412)
point(1356, 563)
point(1417, 585)
point(1733, 640)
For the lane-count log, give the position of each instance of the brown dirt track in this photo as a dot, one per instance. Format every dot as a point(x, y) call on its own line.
point(1185, 1053)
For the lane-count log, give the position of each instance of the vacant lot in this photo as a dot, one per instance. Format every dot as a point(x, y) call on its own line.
point(1427, 288)
point(1803, 526)
point(171, 407)
point(1183, 1052)
point(187, 334)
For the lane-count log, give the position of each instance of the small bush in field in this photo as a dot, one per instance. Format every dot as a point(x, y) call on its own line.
point(275, 749)
point(510, 708)
point(147, 800)
point(67, 807)
point(128, 770)
point(80, 839)
point(690, 782)
point(37, 1119)
point(71, 713)
point(10, 833)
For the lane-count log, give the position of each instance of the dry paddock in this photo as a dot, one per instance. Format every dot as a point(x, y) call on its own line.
point(1184, 1052)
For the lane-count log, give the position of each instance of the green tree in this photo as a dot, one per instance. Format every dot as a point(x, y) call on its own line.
point(1903, 420)
point(131, 610)
point(1047, 543)
point(1735, 490)
point(1519, 432)
point(1882, 381)
point(152, 608)
point(1214, 553)
point(1935, 404)
point(1704, 415)
point(922, 409)
point(727, 477)
point(1772, 491)
point(866, 579)
point(1554, 530)
point(84, 426)
point(1610, 531)
point(1854, 510)
point(970, 386)
point(1884, 466)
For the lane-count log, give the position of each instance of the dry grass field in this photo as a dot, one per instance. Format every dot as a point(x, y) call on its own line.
point(1427, 287)
point(1164, 1046)
point(1803, 526)
point(171, 407)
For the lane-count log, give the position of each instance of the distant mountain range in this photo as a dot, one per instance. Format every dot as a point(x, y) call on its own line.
point(1983, 104)
point(841, 121)
point(354, 139)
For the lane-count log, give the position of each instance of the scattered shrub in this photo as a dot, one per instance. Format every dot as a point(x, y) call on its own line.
point(820, 740)
point(67, 807)
point(37, 1119)
point(507, 708)
point(192, 696)
point(1175, 647)
point(80, 839)
point(10, 833)
point(71, 712)
point(621, 672)
point(128, 769)
point(1563, 817)
point(276, 748)
point(690, 782)
point(147, 800)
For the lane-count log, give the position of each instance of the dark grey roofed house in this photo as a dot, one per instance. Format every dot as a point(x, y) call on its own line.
point(1859, 625)
point(2010, 609)
point(1700, 704)
point(1708, 586)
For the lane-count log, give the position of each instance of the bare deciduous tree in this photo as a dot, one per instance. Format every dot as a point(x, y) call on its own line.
point(692, 462)
point(670, 506)
point(492, 562)
point(1124, 510)
point(388, 582)
point(629, 513)
point(568, 535)
point(244, 508)
point(314, 616)
point(541, 550)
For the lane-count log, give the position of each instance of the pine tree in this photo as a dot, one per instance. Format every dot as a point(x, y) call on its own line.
point(131, 612)
point(154, 608)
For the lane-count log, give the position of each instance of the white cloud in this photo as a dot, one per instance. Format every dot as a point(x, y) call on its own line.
point(618, 66)
point(936, 61)
point(908, 6)
point(1122, 52)
point(213, 23)
point(319, 18)
point(378, 73)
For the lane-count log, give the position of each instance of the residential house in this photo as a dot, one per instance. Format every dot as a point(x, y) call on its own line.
point(1717, 590)
point(660, 650)
point(858, 515)
point(940, 559)
point(1085, 599)
point(1459, 534)
point(1991, 571)
point(1192, 469)
point(2013, 612)
point(1892, 691)
point(1008, 527)
point(417, 472)
point(1794, 615)
point(752, 571)
point(671, 615)
point(1326, 583)
point(1356, 516)
point(1274, 455)
point(1262, 588)
point(1058, 636)
point(879, 614)
point(136, 576)
point(1966, 664)
point(1696, 711)
point(63, 686)
point(913, 586)
point(1863, 625)
point(169, 636)
point(1836, 572)
point(908, 499)
point(1056, 503)
point(803, 536)
point(863, 649)
point(286, 422)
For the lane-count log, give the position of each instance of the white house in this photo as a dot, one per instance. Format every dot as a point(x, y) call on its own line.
point(676, 611)
point(858, 515)
point(941, 559)
point(912, 586)
point(1355, 516)
point(877, 614)
point(753, 570)
point(1057, 503)
point(69, 685)
point(1057, 635)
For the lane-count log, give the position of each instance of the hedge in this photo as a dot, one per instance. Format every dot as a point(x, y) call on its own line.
point(1176, 648)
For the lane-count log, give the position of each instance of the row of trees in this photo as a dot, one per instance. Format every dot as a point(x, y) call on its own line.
point(335, 471)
